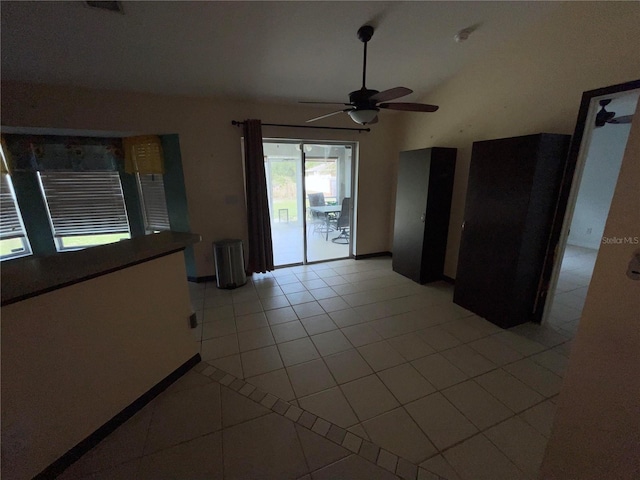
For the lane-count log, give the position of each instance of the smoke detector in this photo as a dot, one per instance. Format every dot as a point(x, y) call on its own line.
point(463, 34)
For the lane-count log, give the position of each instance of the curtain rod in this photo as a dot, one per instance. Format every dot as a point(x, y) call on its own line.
point(237, 124)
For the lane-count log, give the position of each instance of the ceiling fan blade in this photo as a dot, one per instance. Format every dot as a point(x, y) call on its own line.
point(409, 107)
point(622, 119)
point(327, 103)
point(390, 94)
point(328, 115)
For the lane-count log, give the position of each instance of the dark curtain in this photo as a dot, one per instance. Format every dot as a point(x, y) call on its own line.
point(260, 246)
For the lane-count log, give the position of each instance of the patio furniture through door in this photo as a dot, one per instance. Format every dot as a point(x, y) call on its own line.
point(298, 172)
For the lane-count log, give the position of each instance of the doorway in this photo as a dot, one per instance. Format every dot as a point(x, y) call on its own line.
point(310, 187)
point(597, 167)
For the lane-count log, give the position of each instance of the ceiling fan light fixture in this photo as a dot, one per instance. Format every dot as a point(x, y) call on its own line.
point(363, 115)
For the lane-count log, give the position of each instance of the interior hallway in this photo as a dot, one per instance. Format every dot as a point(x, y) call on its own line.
point(345, 370)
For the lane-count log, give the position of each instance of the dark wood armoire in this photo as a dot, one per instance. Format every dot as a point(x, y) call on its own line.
point(423, 205)
point(512, 194)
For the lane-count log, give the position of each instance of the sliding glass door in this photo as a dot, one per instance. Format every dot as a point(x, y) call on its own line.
point(311, 213)
point(327, 181)
point(284, 187)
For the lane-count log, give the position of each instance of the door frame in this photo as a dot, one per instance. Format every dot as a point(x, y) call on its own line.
point(568, 194)
point(300, 173)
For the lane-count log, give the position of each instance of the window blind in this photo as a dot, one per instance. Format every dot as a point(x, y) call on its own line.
point(154, 202)
point(143, 154)
point(10, 224)
point(85, 203)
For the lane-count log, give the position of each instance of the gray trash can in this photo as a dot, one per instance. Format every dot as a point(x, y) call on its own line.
point(229, 259)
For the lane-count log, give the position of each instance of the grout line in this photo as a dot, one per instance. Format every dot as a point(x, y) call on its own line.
point(151, 417)
point(304, 454)
point(507, 456)
point(221, 427)
point(320, 426)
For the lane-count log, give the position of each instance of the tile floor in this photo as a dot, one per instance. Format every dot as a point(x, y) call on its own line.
point(347, 370)
point(571, 291)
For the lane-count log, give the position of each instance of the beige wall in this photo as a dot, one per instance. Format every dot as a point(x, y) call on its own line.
point(75, 357)
point(530, 86)
point(596, 433)
point(210, 148)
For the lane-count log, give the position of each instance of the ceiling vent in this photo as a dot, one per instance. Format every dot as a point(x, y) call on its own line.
point(110, 6)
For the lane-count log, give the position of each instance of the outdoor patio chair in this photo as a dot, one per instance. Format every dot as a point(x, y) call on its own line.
point(344, 221)
point(318, 221)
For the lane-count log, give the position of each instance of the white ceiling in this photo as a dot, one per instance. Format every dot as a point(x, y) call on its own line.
point(274, 51)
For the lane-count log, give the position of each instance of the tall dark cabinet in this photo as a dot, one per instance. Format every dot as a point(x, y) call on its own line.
point(511, 199)
point(423, 205)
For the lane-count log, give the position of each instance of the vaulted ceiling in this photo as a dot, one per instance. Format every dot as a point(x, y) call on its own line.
point(273, 51)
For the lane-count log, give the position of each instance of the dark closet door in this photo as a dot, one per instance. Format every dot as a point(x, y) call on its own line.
point(511, 197)
point(438, 212)
point(423, 205)
point(411, 204)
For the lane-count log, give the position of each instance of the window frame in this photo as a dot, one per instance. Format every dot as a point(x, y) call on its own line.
point(24, 238)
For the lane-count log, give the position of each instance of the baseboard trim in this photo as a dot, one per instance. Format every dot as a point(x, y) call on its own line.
point(372, 255)
point(205, 278)
point(65, 461)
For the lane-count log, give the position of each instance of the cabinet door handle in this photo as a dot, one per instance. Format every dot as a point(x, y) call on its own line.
point(463, 224)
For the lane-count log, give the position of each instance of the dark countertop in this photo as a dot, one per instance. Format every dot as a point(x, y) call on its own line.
point(27, 277)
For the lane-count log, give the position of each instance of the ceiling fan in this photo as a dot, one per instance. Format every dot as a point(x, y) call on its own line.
point(603, 116)
point(364, 104)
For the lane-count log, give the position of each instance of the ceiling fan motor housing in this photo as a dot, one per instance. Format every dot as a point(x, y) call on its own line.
point(604, 116)
point(365, 33)
point(360, 98)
